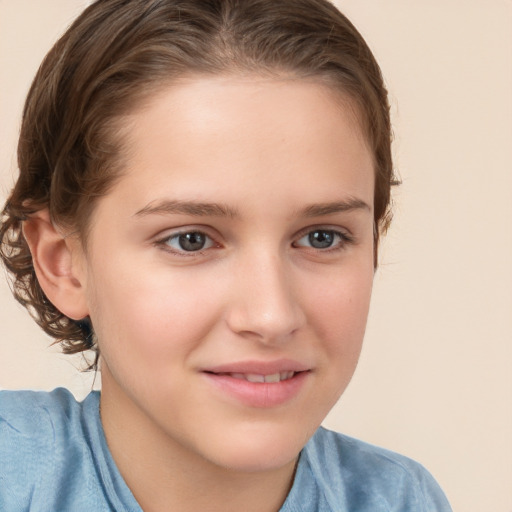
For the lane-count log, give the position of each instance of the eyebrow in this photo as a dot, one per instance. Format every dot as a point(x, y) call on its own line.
point(203, 209)
point(194, 208)
point(320, 209)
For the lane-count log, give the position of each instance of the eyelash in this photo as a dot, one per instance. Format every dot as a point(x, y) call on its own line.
point(344, 239)
point(163, 243)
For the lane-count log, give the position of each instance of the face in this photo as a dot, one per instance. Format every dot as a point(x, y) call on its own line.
point(228, 273)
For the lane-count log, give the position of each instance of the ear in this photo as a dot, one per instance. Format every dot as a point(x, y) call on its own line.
point(56, 262)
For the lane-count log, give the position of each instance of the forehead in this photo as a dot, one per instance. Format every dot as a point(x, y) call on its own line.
point(243, 136)
point(193, 99)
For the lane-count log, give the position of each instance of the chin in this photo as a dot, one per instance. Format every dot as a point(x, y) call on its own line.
point(259, 461)
point(260, 448)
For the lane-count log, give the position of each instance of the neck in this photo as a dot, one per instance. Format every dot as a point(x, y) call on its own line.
point(163, 474)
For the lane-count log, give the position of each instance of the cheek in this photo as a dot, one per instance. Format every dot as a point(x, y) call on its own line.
point(150, 313)
point(338, 313)
point(337, 308)
point(341, 303)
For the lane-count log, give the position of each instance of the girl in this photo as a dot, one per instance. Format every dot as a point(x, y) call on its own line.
point(202, 189)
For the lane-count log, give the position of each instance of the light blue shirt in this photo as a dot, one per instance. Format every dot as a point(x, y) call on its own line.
point(54, 458)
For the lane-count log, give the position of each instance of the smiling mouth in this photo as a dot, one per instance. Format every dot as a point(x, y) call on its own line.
point(258, 390)
point(259, 378)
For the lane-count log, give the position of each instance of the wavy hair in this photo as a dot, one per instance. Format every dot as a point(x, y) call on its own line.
point(119, 52)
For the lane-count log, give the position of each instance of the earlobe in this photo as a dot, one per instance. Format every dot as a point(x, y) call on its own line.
point(55, 263)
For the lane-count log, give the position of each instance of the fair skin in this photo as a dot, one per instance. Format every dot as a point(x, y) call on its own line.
point(236, 247)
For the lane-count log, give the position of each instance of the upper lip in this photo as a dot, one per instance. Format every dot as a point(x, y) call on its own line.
point(259, 367)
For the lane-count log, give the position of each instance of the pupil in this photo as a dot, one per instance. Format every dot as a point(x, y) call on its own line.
point(321, 239)
point(192, 241)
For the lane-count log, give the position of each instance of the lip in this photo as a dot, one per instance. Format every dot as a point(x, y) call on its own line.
point(256, 394)
point(259, 367)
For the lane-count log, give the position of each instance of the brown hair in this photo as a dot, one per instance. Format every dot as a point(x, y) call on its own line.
point(119, 51)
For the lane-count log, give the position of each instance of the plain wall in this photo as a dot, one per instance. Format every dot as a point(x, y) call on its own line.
point(435, 377)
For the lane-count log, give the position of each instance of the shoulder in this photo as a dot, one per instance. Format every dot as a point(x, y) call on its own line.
point(367, 477)
point(19, 406)
point(41, 446)
point(32, 416)
point(36, 417)
point(31, 423)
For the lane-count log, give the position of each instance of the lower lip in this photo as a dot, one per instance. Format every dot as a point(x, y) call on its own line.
point(259, 394)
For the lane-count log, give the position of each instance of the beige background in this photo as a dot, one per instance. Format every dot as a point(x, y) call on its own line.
point(435, 377)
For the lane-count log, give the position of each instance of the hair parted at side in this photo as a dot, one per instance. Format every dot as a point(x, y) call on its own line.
point(119, 52)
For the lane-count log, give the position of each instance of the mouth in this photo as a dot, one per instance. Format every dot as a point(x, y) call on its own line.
point(258, 378)
point(260, 371)
point(259, 385)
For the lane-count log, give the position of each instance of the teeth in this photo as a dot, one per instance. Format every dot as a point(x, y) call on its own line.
point(253, 377)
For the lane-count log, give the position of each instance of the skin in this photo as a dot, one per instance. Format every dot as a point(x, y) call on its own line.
point(266, 150)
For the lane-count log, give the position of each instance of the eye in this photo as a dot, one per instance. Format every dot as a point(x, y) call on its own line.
point(190, 241)
point(323, 239)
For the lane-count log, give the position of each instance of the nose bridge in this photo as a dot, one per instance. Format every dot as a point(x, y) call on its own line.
point(265, 304)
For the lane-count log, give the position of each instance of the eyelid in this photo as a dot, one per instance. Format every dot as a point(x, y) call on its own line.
point(345, 236)
point(162, 239)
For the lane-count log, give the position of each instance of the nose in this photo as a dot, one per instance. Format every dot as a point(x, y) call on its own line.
point(265, 304)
